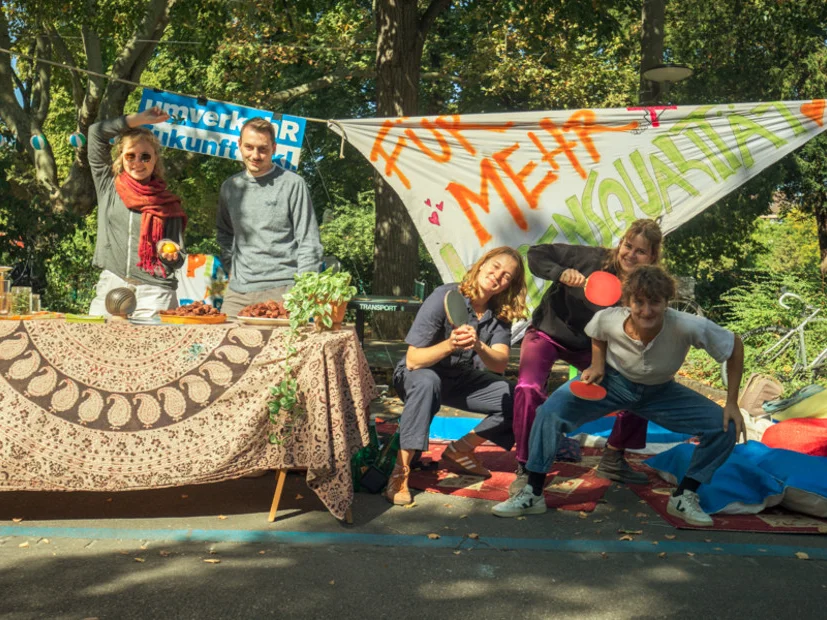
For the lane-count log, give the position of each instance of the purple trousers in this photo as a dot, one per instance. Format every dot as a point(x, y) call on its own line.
point(538, 352)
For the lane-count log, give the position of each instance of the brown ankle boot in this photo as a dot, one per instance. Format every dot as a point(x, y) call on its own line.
point(397, 492)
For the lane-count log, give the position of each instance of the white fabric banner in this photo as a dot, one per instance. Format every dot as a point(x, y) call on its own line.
point(474, 182)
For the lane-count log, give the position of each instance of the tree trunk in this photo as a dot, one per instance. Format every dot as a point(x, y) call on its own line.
point(821, 227)
point(400, 38)
point(651, 48)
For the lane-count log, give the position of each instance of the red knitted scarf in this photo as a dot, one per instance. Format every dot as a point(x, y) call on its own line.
point(156, 204)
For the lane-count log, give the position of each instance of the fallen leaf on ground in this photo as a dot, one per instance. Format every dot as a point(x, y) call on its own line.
point(457, 552)
point(212, 561)
point(433, 536)
point(45, 541)
point(669, 536)
point(583, 515)
point(141, 560)
point(717, 548)
point(299, 496)
point(332, 582)
point(473, 535)
point(630, 531)
point(604, 555)
point(690, 554)
point(662, 555)
point(109, 500)
point(143, 547)
point(641, 501)
point(184, 496)
point(448, 505)
point(707, 540)
point(655, 542)
point(123, 552)
point(463, 516)
point(641, 515)
point(262, 552)
point(598, 521)
point(17, 519)
point(222, 518)
point(801, 555)
point(626, 537)
point(164, 553)
point(23, 545)
point(521, 518)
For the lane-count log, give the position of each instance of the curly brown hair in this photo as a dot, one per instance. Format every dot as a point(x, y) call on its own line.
point(508, 305)
point(649, 230)
point(650, 282)
point(129, 137)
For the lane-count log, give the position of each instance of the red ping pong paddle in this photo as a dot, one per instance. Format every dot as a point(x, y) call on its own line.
point(603, 288)
point(587, 391)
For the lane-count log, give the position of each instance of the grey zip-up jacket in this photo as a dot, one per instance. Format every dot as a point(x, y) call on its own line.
point(119, 229)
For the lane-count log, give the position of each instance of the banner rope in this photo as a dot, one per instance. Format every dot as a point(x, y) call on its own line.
point(112, 78)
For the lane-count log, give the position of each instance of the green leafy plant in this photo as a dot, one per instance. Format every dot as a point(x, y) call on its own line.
point(313, 297)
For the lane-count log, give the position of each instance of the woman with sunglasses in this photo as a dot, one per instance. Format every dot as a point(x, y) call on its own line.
point(140, 222)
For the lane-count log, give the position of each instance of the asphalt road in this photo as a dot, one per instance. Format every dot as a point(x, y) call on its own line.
point(151, 554)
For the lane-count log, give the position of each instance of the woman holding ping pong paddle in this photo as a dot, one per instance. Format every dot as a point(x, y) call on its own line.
point(636, 351)
point(456, 356)
point(557, 333)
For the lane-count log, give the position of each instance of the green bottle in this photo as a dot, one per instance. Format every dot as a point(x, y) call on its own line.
point(387, 458)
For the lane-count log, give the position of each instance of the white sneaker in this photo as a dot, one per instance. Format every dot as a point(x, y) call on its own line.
point(686, 506)
point(523, 503)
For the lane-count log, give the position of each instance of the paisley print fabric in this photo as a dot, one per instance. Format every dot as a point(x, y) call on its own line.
point(119, 406)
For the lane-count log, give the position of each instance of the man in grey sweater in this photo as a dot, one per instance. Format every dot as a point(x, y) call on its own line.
point(266, 227)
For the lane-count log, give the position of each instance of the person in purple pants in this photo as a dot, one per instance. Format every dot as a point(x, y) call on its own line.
point(556, 333)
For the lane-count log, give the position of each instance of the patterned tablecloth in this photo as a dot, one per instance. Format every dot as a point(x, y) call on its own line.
point(118, 406)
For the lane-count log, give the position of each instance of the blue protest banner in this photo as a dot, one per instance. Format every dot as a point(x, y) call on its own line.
point(213, 127)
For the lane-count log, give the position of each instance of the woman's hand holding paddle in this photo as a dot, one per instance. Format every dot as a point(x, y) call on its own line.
point(464, 337)
point(573, 278)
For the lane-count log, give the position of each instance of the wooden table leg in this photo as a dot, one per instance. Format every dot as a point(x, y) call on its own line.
point(281, 475)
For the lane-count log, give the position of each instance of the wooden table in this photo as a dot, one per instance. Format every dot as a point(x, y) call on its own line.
point(122, 407)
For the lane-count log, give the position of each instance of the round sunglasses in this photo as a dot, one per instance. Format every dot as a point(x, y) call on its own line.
point(144, 157)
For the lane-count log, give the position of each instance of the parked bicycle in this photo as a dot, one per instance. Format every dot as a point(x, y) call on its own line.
point(685, 299)
point(788, 352)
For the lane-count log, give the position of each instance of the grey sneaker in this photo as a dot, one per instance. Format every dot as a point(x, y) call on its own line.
point(519, 482)
point(614, 467)
point(687, 506)
point(524, 503)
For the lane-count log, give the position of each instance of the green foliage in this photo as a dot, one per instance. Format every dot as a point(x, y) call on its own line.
point(754, 305)
point(313, 297)
point(70, 274)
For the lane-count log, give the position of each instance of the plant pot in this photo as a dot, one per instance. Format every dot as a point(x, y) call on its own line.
point(337, 314)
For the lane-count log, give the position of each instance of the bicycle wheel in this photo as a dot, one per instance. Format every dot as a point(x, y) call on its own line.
point(684, 304)
point(762, 355)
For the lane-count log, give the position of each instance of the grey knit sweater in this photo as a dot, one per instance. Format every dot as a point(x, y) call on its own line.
point(267, 230)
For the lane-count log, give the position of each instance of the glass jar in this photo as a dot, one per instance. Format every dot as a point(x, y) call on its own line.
point(21, 300)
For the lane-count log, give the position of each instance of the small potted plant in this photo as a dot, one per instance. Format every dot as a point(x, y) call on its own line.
point(322, 298)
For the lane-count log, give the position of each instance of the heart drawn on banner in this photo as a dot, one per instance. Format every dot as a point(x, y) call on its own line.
point(434, 219)
point(428, 201)
point(439, 205)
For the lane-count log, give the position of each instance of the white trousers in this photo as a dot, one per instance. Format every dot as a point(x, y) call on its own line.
point(150, 298)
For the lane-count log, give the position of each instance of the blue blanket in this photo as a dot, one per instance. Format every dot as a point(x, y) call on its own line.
point(753, 478)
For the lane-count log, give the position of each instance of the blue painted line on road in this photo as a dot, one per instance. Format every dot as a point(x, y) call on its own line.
point(422, 541)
